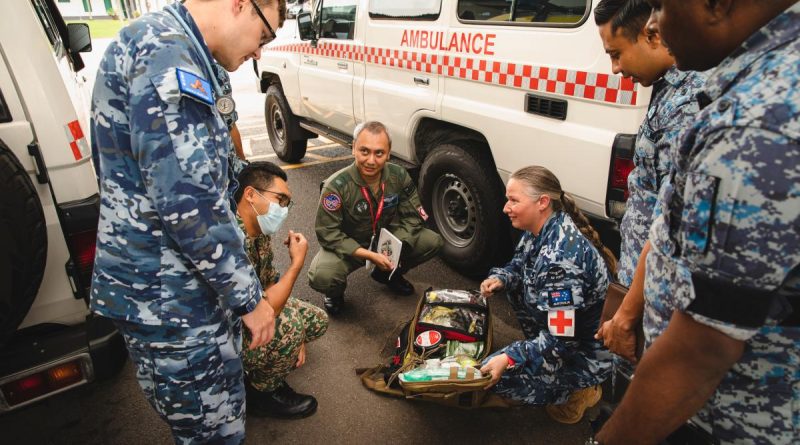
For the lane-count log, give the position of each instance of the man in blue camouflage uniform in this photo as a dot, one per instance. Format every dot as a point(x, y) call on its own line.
point(724, 266)
point(639, 53)
point(236, 158)
point(170, 259)
point(556, 283)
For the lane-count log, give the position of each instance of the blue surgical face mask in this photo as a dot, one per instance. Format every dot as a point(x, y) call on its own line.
point(270, 222)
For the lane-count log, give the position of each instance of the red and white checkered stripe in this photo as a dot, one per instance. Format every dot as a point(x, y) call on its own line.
point(581, 84)
point(77, 141)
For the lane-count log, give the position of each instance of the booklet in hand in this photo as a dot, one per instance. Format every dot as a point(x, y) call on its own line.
point(388, 245)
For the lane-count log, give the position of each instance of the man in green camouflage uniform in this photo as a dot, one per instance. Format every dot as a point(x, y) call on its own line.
point(263, 186)
point(356, 202)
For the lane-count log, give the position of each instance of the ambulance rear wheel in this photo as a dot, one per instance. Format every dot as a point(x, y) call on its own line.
point(23, 242)
point(464, 195)
point(288, 139)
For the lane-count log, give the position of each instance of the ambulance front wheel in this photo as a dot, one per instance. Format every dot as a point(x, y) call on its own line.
point(288, 139)
point(464, 196)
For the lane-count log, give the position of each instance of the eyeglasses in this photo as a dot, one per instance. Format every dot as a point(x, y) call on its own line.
point(264, 40)
point(283, 200)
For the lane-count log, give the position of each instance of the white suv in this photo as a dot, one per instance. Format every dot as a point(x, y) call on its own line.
point(470, 90)
point(49, 341)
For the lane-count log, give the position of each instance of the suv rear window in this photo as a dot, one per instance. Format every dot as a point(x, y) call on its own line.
point(406, 10)
point(520, 12)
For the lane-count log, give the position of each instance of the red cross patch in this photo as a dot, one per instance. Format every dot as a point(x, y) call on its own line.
point(561, 322)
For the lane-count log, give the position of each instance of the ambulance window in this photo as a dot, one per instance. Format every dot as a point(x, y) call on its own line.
point(338, 19)
point(5, 113)
point(407, 10)
point(49, 25)
point(533, 12)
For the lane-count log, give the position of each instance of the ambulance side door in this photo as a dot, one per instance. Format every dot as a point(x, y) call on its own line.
point(326, 72)
point(402, 79)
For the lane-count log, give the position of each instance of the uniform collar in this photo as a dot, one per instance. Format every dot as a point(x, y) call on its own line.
point(782, 29)
point(187, 17)
point(674, 76)
point(554, 220)
point(353, 172)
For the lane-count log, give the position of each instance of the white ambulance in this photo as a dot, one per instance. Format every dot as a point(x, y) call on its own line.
point(470, 90)
point(49, 202)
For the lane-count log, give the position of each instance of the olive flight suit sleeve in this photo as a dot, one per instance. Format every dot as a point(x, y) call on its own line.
point(410, 211)
point(330, 223)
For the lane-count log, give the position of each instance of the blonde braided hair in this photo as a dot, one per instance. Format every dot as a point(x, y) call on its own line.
point(541, 181)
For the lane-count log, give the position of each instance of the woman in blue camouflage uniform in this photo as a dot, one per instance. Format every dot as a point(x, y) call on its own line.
point(556, 283)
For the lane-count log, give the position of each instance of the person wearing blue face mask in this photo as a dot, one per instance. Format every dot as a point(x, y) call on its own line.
point(264, 201)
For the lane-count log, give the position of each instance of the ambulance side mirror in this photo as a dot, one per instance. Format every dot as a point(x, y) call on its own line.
point(80, 40)
point(305, 26)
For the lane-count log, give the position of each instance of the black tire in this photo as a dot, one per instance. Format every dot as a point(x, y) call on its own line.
point(23, 243)
point(288, 139)
point(464, 195)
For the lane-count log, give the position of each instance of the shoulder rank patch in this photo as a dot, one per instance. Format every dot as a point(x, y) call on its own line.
point(332, 202)
point(558, 298)
point(194, 86)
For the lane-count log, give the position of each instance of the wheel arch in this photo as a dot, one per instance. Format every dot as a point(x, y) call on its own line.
point(431, 133)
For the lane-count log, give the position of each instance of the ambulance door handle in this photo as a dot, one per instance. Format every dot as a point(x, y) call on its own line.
point(342, 65)
point(422, 81)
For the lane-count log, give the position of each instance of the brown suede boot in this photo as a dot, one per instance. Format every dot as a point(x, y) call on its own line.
point(579, 401)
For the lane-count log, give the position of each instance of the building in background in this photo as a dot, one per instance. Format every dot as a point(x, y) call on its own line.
point(105, 9)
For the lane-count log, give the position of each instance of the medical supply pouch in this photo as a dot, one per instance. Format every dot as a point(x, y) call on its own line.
point(464, 330)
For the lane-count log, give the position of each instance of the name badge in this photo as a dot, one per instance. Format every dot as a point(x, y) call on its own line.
point(391, 201)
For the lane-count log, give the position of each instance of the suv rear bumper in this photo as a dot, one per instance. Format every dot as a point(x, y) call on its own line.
point(96, 344)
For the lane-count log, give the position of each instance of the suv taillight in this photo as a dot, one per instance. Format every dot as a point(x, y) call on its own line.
point(57, 377)
point(79, 221)
point(621, 166)
point(83, 245)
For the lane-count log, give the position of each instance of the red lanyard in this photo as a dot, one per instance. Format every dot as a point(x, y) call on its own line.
point(377, 215)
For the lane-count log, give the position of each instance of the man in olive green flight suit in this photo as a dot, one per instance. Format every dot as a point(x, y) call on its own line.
point(355, 203)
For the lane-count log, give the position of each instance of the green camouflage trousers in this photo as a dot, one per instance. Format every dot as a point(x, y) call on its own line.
point(299, 322)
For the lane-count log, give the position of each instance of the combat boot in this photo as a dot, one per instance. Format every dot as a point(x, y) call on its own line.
point(282, 403)
point(578, 402)
point(399, 285)
point(333, 304)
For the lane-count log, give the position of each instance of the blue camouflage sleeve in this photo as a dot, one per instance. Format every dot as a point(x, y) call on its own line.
point(175, 140)
point(739, 230)
point(546, 351)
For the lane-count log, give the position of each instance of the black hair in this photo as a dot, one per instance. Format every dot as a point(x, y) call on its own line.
point(628, 15)
point(259, 175)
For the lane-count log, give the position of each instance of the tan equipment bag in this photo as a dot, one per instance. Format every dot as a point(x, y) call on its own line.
point(468, 392)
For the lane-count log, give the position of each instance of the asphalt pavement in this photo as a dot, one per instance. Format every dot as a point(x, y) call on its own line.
point(116, 412)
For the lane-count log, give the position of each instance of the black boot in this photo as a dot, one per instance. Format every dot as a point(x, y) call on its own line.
point(333, 304)
point(400, 285)
point(282, 403)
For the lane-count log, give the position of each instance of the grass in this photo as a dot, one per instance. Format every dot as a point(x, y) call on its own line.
point(103, 28)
